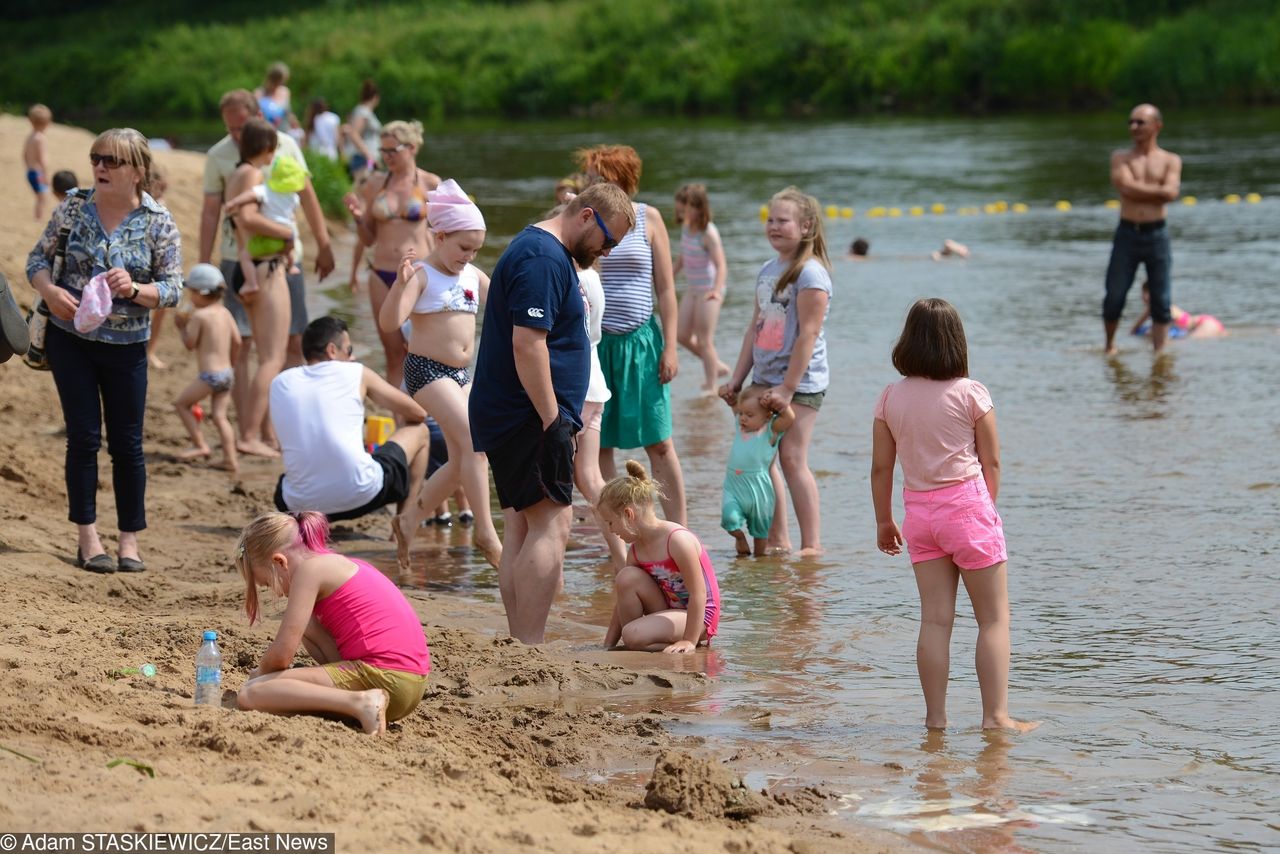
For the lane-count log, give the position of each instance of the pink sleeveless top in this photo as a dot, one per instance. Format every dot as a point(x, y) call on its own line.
point(667, 574)
point(371, 621)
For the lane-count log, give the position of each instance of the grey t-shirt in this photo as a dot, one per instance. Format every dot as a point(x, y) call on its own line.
point(779, 325)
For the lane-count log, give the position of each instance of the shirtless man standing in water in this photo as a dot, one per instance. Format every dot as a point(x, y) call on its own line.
point(1147, 178)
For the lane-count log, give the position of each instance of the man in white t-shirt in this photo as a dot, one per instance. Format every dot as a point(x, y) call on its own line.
point(318, 413)
point(238, 106)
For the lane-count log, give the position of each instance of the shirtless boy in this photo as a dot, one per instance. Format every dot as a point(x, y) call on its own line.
point(33, 155)
point(1147, 178)
point(211, 331)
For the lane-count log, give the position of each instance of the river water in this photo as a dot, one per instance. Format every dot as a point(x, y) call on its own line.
point(1140, 498)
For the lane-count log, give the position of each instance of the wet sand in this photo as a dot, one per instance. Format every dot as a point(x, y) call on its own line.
point(511, 746)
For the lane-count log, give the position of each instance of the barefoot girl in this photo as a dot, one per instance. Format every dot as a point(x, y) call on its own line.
point(941, 426)
point(441, 296)
point(786, 346)
point(667, 597)
point(702, 260)
point(368, 642)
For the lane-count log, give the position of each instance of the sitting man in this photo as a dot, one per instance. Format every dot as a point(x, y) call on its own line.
point(318, 413)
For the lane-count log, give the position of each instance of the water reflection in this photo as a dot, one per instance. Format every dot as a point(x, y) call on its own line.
point(1150, 391)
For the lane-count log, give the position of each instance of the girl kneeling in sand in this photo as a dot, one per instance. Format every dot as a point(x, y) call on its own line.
point(666, 598)
point(353, 621)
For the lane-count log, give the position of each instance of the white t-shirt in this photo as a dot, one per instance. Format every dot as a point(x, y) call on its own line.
point(318, 414)
point(324, 134)
point(218, 168)
point(593, 291)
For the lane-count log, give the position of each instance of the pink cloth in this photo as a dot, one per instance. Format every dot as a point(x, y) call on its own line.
point(932, 423)
point(371, 621)
point(957, 521)
point(95, 304)
point(667, 575)
point(449, 210)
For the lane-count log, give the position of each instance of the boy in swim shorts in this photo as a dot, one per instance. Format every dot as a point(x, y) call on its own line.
point(211, 331)
point(33, 155)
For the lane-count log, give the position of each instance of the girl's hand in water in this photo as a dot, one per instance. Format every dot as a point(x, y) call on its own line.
point(889, 538)
point(406, 265)
point(681, 647)
point(728, 394)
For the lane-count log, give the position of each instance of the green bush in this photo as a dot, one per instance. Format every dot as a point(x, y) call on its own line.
point(331, 183)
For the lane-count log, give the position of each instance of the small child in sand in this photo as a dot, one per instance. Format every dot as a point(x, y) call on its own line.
point(276, 196)
point(211, 331)
point(367, 641)
point(941, 426)
point(64, 181)
point(749, 498)
point(34, 157)
point(666, 597)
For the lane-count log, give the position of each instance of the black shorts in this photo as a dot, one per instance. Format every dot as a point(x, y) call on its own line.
point(533, 465)
point(395, 485)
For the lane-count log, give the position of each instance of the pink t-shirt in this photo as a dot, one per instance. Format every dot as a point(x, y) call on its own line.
point(371, 621)
point(932, 423)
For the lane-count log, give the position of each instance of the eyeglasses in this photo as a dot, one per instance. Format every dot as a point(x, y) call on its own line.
point(609, 242)
point(1137, 121)
point(108, 160)
point(387, 152)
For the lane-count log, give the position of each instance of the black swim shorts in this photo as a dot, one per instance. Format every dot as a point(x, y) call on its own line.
point(535, 464)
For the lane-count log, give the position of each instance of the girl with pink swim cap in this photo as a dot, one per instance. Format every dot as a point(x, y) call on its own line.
point(941, 426)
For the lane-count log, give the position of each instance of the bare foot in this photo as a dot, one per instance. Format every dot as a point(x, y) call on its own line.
point(490, 548)
point(257, 448)
point(810, 551)
point(708, 391)
point(1011, 724)
point(403, 544)
point(194, 452)
point(373, 710)
point(230, 465)
point(155, 362)
point(1112, 350)
point(740, 543)
point(778, 548)
point(722, 369)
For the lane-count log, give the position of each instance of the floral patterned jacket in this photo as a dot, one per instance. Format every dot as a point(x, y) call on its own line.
point(146, 244)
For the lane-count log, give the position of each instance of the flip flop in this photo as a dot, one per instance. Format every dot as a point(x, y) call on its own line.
point(13, 326)
point(101, 564)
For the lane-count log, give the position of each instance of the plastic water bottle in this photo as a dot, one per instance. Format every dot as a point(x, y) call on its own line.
point(209, 672)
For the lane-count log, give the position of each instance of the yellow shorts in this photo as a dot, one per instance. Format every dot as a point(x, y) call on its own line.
point(404, 689)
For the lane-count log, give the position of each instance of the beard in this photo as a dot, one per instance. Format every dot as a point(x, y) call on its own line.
point(582, 253)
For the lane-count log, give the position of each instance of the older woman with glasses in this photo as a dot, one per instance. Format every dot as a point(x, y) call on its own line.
point(391, 218)
point(115, 230)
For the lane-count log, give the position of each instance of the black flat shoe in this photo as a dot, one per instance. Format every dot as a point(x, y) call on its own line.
point(98, 563)
point(128, 564)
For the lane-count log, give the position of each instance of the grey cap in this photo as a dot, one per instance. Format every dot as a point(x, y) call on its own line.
point(205, 278)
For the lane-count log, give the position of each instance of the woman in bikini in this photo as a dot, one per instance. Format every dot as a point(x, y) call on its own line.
point(391, 218)
point(441, 296)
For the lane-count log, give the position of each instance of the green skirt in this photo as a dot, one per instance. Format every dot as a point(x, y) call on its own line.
point(639, 412)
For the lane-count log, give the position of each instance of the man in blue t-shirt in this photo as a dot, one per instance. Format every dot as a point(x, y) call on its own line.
point(530, 383)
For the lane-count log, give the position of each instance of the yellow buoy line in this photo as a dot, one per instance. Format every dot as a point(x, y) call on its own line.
point(990, 208)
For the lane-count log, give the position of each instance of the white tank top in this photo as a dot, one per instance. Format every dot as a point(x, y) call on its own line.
point(318, 414)
point(593, 291)
point(448, 293)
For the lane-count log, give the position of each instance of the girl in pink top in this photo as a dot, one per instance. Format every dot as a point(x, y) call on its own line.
point(941, 426)
point(352, 620)
point(667, 597)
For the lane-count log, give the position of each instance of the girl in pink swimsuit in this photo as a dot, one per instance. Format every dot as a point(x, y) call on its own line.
point(349, 616)
point(667, 597)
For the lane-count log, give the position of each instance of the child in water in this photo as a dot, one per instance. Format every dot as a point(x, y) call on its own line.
point(357, 625)
point(702, 260)
point(211, 331)
point(749, 498)
point(941, 426)
point(667, 597)
point(1184, 325)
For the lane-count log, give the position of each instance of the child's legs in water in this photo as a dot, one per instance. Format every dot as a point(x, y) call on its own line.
point(705, 315)
point(686, 332)
point(937, 581)
point(586, 474)
point(635, 595)
point(780, 529)
point(793, 453)
point(989, 592)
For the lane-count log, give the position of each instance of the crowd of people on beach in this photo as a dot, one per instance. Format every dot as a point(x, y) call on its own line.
point(578, 347)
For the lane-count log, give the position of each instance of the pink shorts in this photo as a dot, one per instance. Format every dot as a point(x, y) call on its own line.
point(958, 521)
point(592, 414)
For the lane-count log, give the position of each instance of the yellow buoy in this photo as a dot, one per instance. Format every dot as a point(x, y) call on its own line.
point(1001, 206)
point(1232, 198)
point(847, 213)
point(938, 208)
point(1253, 198)
point(990, 208)
point(1111, 203)
point(1019, 207)
point(895, 211)
point(1062, 205)
point(916, 211)
point(764, 212)
point(832, 212)
point(876, 212)
point(1189, 200)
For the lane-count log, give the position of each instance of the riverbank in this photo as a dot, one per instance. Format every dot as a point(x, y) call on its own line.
point(502, 753)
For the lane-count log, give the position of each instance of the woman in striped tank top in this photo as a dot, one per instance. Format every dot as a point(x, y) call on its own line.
point(702, 260)
point(637, 353)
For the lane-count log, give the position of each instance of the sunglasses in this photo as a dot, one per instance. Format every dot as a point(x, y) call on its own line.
point(387, 152)
point(108, 160)
point(609, 242)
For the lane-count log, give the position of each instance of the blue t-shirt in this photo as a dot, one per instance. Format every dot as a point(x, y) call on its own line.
point(534, 284)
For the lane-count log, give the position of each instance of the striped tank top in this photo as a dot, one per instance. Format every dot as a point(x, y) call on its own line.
point(627, 276)
point(699, 269)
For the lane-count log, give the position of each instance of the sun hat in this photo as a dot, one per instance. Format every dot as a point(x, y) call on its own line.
point(205, 279)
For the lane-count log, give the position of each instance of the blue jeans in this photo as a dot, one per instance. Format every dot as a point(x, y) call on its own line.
point(96, 379)
point(1134, 244)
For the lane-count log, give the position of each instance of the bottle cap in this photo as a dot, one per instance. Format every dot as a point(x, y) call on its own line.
point(210, 635)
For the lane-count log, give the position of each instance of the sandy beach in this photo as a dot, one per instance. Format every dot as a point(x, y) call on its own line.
point(503, 753)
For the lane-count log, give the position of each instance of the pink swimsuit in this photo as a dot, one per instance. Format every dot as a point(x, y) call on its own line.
point(371, 621)
point(667, 574)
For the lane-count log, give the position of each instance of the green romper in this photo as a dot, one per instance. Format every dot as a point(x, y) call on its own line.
point(748, 491)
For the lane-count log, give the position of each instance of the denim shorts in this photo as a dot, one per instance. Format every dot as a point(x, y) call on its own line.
point(1144, 243)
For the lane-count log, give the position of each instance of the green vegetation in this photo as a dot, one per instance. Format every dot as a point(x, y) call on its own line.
point(441, 60)
point(331, 183)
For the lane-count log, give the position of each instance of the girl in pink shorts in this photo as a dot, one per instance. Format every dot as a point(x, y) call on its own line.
point(941, 426)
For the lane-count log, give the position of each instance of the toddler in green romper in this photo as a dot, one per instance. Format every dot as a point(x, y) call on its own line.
point(748, 492)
